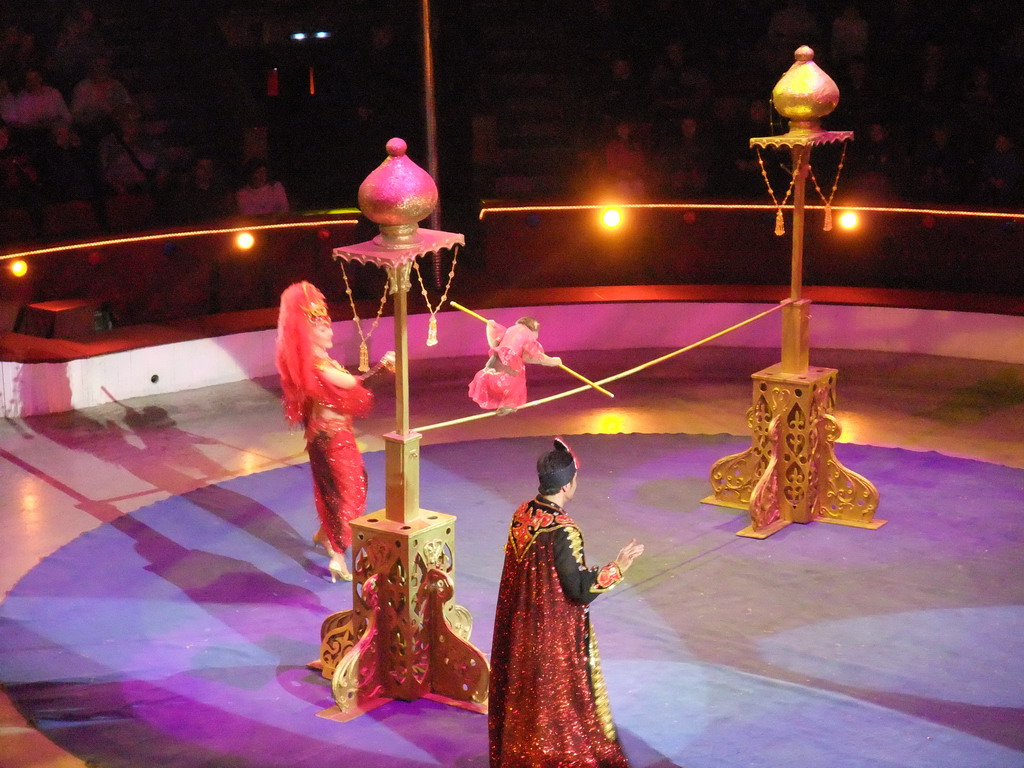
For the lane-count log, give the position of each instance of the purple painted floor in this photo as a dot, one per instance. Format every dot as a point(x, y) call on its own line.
point(177, 635)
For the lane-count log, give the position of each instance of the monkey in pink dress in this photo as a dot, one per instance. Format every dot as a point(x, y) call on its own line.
point(501, 384)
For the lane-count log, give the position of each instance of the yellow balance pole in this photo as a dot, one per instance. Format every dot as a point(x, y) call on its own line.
point(468, 311)
point(565, 368)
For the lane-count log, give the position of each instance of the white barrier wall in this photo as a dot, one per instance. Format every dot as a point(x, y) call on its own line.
point(29, 389)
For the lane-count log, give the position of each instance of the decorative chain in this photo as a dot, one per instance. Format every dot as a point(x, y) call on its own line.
point(780, 226)
point(364, 338)
point(828, 201)
point(432, 323)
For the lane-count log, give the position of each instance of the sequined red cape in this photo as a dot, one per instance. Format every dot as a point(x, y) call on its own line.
point(548, 707)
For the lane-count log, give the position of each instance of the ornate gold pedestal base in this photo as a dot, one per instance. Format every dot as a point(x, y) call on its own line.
point(405, 638)
point(790, 473)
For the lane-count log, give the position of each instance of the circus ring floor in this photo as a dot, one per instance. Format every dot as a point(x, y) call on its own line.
point(177, 600)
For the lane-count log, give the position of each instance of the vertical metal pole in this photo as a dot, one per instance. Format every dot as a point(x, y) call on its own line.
point(401, 447)
point(430, 109)
point(401, 285)
point(801, 162)
point(430, 106)
point(796, 316)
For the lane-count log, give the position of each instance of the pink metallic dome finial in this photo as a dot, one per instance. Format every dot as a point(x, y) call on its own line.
point(396, 147)
point(397, 195)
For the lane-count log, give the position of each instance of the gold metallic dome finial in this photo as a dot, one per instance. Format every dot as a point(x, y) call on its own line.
point(805, 94)
point(397, 195)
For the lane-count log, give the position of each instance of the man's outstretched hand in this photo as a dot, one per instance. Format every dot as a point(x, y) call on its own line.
point(628, 554)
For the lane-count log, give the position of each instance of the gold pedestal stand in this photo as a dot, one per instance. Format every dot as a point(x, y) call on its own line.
point(405, 637)
point(790, 473)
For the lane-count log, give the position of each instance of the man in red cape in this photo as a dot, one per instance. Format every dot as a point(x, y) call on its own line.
point(548, 705)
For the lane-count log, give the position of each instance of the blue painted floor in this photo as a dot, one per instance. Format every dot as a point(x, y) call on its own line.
point(177, 635)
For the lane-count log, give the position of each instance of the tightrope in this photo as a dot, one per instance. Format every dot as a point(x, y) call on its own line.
point(616, 377)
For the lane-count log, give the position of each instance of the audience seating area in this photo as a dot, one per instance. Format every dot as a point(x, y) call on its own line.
point(603, 100)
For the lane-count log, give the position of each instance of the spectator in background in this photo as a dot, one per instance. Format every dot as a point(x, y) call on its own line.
point(876, 165)
point(937, 167)
point(260, 196)
point(622, 95)
point(1001, 170)
point(859, 97)
point(791, 26)
point(18, 50)
point(678, 85)
point(10, 40)
point(850, 32)
point(202, 196)
point(602, 24)
point(19, 179)
point(667, 93)
point(978, 103)
point(739, 174)
point(77, 44)
point(8, 101)
point(97, 99)
point(626, 163)
point(930, 93)
point(130, 161)
point(66, 170)
point(687, 160)
point(39, 105)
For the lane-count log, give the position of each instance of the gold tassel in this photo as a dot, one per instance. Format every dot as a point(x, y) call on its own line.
point(364, 357)
point(828, 217)
point(780, 226)
point(432, 332)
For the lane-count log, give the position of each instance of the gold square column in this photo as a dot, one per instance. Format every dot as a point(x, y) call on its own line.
point(402, 476)
point(796, 344)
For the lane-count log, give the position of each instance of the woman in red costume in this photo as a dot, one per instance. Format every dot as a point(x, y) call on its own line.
point(323, 397)
point(501, 385)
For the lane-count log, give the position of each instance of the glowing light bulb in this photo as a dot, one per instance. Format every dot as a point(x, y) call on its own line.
point(611, 217)
point(849, 220)
point(19, 268)
point(245, 241)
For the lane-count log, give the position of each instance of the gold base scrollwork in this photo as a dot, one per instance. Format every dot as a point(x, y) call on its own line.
point(405, 638)
point(844, 497)
point(790, 473)
point(460, 671)
point(733, 477)
point(765, 512)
